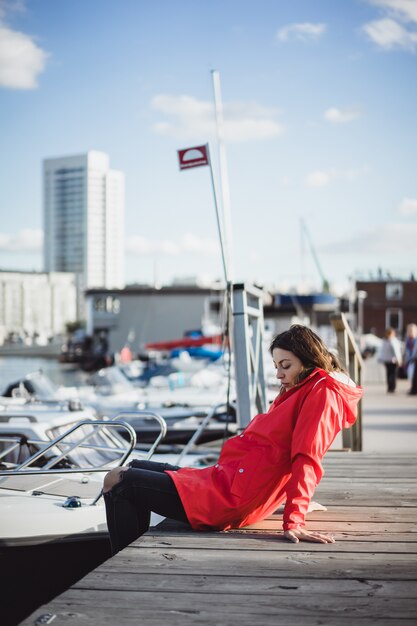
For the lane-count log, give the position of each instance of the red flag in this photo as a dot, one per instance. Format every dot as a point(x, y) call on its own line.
point(193, 157)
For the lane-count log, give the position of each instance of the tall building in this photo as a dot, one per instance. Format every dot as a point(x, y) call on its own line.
point(36, 304)
point(84, 219)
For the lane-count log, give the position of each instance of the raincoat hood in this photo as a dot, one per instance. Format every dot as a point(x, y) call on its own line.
point(349, 392)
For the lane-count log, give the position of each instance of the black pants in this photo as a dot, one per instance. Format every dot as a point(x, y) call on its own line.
point(143, 489)
point(391, 369)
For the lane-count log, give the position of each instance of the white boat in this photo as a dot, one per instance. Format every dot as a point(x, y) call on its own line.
point(52, 460)
point(109, 392)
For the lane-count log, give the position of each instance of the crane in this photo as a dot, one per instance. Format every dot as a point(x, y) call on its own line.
point(305, 232)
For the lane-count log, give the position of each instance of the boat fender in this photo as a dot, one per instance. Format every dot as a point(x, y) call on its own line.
point(74, 405)
point(72, 502)
point(45, 618)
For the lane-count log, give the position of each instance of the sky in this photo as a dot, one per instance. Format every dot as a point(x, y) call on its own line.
point(319, 111)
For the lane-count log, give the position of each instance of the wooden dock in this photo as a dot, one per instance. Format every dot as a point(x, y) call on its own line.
point(176, 577)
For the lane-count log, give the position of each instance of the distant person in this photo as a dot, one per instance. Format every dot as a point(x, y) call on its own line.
point(413, 364)
point(277, 458)
point(390, 356)
point(125, 354)
point(410, 342)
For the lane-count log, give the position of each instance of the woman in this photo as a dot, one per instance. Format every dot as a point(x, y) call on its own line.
point(390, 355)
point(277, 458)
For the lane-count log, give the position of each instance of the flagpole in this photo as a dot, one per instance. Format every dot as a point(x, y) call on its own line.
point(196, 157)
point(219, 223)
point(224, 179)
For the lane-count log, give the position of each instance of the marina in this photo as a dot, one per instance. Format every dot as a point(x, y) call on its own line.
point(366, 500)
point(176, 575)
point(208, 313)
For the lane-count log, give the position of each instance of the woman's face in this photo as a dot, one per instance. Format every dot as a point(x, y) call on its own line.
point(288, 367)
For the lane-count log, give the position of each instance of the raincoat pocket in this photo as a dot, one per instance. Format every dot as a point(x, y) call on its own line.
point(244, 479)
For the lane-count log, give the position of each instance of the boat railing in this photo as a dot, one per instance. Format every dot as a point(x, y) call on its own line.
point(17, 441)
point(26, 468)
point(190, 444)
point(144, 413)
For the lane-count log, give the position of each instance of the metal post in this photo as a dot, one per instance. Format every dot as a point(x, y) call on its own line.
point(351, 359)
point(248, 324)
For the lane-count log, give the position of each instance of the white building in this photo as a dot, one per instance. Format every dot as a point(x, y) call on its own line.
point(36, 304)
point(84, 219)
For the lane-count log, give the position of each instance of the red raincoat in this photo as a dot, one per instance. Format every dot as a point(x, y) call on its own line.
point(276, 458)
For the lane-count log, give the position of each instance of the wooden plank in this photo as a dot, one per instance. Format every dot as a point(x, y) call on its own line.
point(128, 616)
point(265, 541)
point(97, 603)
point(370, 494)
point(364, 456)
point(338, 526)
point(352, 536)
point(292, 561)
point(104, 578)
point(384, 514)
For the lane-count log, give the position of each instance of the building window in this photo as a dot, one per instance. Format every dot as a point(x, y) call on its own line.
point(394, 319)
point(107, 305)
point(394, 291)
point(113, 305)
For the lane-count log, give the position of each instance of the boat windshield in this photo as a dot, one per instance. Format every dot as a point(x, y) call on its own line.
point(43, 386)
point(110, 380)
point(99, 448)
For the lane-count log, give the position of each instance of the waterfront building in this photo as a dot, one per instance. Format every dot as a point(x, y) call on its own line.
point(137, 315)
point(141, 314)
point(36, 306)
point(383, 303)
point(84, 219)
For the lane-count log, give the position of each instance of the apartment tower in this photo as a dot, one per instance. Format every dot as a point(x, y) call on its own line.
point(84, 219)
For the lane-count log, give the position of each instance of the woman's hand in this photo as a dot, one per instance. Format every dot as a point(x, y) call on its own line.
point(299, 534)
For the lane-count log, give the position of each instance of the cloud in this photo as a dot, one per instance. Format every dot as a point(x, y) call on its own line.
point(318, 178)
point(188, 244)
point(408, 206)
point(305, 31)
point(341, 116)
point(21, 60)
point(321, 178)
point(11, 6)
point(389, 34)
point(27, 240)
point(386, 239)
point(397, 29)
point(195, 119)
point(402, 9)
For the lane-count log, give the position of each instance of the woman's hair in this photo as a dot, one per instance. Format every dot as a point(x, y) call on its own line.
point(308, 347)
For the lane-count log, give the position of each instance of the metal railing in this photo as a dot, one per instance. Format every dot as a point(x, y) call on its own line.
point(248, 324)
point(350, 356)
point(190, 443)
point(26, 468)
